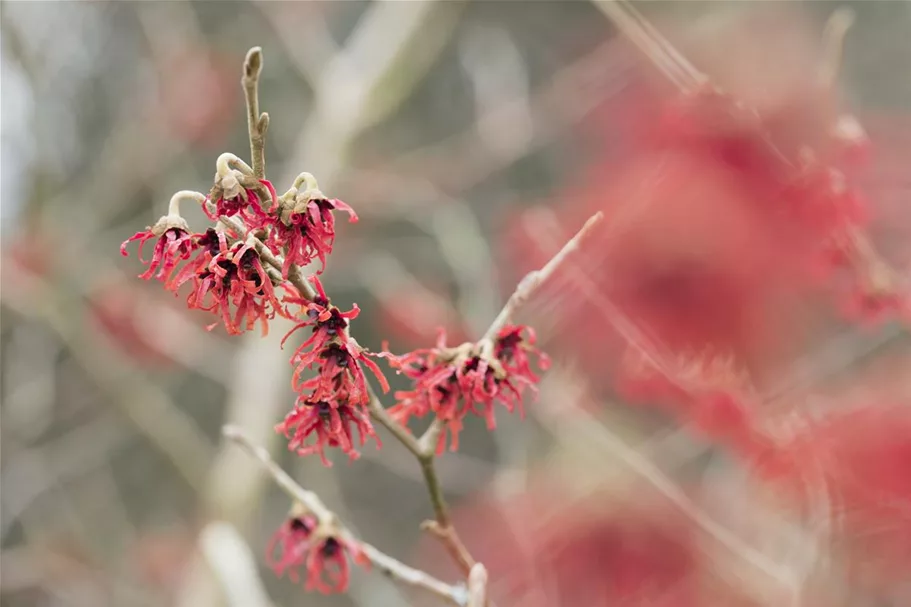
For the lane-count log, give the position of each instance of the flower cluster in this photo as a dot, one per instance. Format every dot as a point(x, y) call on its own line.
point(223, 265)
point(227, 280)
point(173, 244)
point(452, 382)
point(334, 399)
point(300, 543)
point(245, 268)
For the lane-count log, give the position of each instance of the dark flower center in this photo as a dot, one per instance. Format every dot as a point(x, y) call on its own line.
point(507, 345)
point(299, 524)
point(473, 363)
point(231, 206)
point(335, 323)
point(323, 408)
point(325, 209)
point(209, 241)
point(342, 359)
point(330, 547)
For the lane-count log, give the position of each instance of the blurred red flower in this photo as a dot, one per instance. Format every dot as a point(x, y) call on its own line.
point(861, 457)
point(719, 204)
point(198, 95)
point(122, 313)
point(545, 548)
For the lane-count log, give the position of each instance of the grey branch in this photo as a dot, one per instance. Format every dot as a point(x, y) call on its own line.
point(530, 283)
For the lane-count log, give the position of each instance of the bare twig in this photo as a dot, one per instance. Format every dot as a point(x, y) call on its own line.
point(386, 564)
point(535, 279)
point(652, 44)
point(257, 123)
point(447, 533)
point(477, 586)
point(428, 440)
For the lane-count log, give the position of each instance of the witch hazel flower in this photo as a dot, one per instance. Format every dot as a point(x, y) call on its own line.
point(339, 370)
point(452, 382)
point(288, 547)
point(229, 278)
point(302, 545)
point(312, 426)
point(235, 193)
point(331, 349)
point(515, 348)
point(174, 242)
point(305, 229)
point(327, 321)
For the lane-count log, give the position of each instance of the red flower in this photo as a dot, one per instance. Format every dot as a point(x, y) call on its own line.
point(331, 424)
point(719, 204)
point(547, 548)
point(208, 244)
point(288, 548)
point(137, 326)
point(191, 117)
point(339, 372)
point(328, 322)
point(452, 382)
point(337, 355)
point(224, 277)
point(308, 232)
point(296, 545)
point(513, 350)
point(174, 244)
point(247, 204)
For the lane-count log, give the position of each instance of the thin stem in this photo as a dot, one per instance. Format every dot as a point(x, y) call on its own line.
point(430, 438)
point(257, 123)
point(662, 53)
point(477, 586)
point(174, 205)
point(530, 283)
point(442, 527)
point(424, 449)
point(389, 566)
point(833, 40)
point(440, 509)
point(228, 161)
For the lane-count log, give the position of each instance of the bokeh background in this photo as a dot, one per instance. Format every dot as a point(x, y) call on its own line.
point(458, 131)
